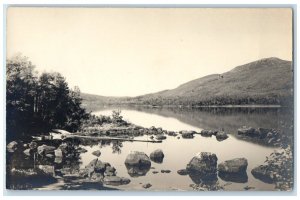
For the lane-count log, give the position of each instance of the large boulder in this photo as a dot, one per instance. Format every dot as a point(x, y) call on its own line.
point(157, 156)
point(137, 164)
point(12, 146)
point(237, 165)
point(203, 165)
point(221, 135)
point(137, 158)
point(264, 173)
point(44, 149)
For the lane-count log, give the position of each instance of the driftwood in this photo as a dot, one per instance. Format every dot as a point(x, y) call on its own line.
point(111, 138)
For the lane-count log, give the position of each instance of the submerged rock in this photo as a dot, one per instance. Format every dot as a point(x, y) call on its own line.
point(97, 153)
point(12, 146)
point(237, 165)
point(157, 156)
point(221, 135)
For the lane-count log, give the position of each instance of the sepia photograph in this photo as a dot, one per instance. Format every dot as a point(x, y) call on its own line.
point(151, 99)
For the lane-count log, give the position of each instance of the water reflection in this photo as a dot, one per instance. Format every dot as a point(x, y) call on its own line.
point(234, 177)
point(227, 119)
point(199, 178)
point(137, 170)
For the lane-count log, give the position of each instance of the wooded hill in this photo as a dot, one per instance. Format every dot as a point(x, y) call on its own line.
point(267, 81)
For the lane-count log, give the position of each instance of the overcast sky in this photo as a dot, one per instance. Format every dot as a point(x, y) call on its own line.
point(129, 52)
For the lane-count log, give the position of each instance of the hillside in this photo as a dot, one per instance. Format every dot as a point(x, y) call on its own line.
point(266, 81)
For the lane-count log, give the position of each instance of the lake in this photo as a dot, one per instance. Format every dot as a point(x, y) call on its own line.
point(179, 151)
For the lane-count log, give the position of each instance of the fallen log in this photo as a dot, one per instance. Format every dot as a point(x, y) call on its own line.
point(111, 138)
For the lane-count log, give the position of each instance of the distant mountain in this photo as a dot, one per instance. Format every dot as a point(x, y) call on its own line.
point(266, 81)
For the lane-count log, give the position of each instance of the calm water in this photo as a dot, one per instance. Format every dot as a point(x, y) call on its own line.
point(178, 152)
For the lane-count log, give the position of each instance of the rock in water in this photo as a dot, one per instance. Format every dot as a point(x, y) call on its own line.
point(137, 158)
point(203, 165)
point(157, 156)
point(97, 153)
point(263, 173)
point(207, 133)
point(187, 134)
point(161, 137)
point(221, 135)
point(12, 146)
point(237, 165)
point(137, 164)
point(234, 170)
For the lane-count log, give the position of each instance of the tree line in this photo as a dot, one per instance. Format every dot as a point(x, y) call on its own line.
point(37, 103)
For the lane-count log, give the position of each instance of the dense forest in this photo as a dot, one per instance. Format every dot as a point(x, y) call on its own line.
point(37, 103)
